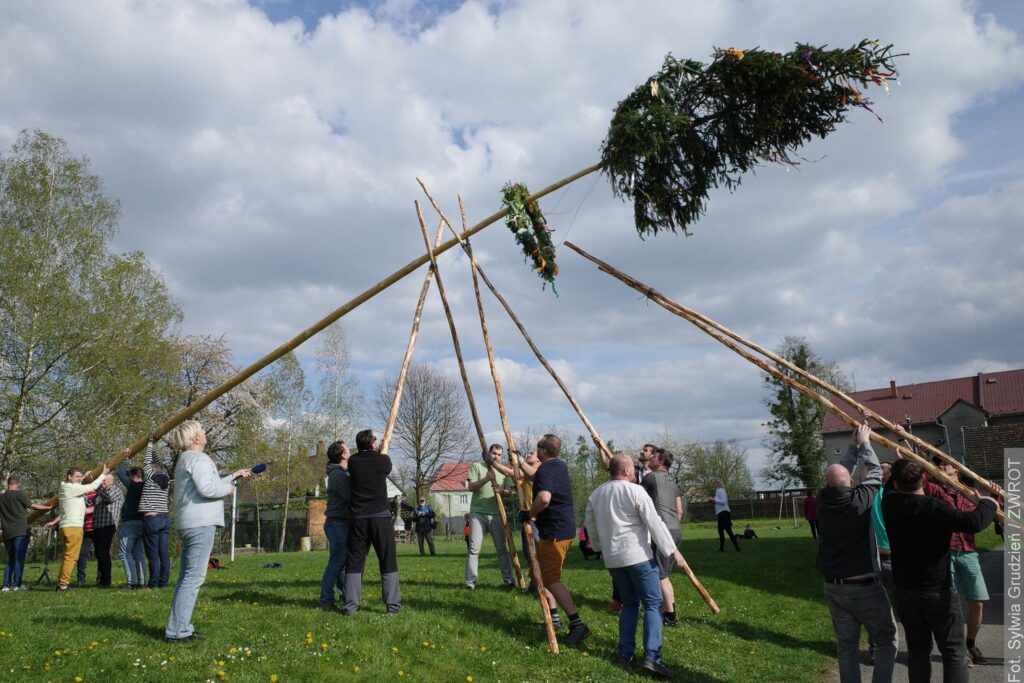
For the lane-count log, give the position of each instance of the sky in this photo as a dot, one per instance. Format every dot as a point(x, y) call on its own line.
point(265, 156)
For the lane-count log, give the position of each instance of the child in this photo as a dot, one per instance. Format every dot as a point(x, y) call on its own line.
point(749, 533)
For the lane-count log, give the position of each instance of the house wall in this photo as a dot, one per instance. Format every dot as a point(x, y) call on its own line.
point(836, 443)
point(959, 415)
point(450, 508)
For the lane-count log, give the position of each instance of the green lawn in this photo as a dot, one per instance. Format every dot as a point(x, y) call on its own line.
point(260, 623)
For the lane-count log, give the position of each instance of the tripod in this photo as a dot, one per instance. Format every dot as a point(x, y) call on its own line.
point(46, 557)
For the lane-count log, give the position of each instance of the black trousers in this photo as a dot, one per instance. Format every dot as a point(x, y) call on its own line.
point(725, 527)
point(925, 616)
point(371, 531)
point(813, 523)
point(102, 539)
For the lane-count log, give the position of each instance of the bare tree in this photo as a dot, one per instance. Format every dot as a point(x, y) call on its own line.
point(703, 463)
point(205, 364)
point(338, 403)
point(432, 426)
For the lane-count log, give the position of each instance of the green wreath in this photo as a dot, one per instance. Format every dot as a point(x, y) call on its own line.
point(531, 231)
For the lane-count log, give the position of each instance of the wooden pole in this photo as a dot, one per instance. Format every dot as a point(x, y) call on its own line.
point(509, 539)
point(606, 454)
point(305, 335)
point(685, 568)
point(389, 428)
point(527, 526)
point(682, 312)
point(817, 381)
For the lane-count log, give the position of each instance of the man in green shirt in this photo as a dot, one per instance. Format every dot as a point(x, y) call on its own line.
point(483, 514)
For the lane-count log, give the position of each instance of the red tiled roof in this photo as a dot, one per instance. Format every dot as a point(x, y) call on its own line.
point(997, 393)
point(451, 477)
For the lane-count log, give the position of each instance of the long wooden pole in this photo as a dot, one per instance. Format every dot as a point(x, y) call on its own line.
point(389, 427)
point(682, 312)
point(509, 539)
point(527, 526)
point(843, 396)
point(606, 454)
point(305, 335)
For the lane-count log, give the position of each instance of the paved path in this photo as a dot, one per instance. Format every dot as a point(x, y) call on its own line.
point(990, 638)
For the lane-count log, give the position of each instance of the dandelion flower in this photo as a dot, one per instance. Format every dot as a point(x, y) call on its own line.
point(78, 679)
point(355, 669)
point(274, 678)
point(400, 673)
point(394, 649)
point(469, 679)
point(323, 646)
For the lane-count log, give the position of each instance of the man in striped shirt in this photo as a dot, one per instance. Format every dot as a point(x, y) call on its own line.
point(155, 518)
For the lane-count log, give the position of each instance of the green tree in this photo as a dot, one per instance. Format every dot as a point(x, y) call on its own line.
point(85, 358)
point(794, 430)
point(703, 463)
point(585, 471)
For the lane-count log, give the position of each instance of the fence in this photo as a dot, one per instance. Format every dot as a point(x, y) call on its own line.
point(746, 508)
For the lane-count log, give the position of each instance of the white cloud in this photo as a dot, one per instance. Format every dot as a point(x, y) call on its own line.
point(269, 172)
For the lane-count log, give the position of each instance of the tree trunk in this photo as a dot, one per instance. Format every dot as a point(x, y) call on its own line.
point(284, 520)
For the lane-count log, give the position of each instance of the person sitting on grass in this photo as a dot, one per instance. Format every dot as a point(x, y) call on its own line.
point(748, 533)
point(14, 521)
point(72, 519)
point(623, 518)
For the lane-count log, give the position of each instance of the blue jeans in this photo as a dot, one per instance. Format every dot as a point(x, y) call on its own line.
point(637, 584)
point(196, 544)
point(156, 537)
point(17, 548)
point(129, 549)
point(83, 556)
point(334, 575)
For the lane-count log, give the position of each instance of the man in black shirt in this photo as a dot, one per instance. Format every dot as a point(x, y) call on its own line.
point(371, 525)
point(853, 591)
point(552, 510)
point(919, 528)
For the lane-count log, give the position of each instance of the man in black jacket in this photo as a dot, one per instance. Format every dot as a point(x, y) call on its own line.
point(854, 592)
point(371, 525)
point(919, 529)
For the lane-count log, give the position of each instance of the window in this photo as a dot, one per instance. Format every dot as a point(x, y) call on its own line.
point(464, 498)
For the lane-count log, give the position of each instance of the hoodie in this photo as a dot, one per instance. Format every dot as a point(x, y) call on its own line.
point(844, 518)
point(339, 493)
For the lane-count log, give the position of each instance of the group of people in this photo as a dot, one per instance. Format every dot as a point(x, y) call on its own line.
point(897, 539)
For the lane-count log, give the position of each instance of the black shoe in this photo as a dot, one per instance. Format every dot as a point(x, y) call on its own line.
point(187, 639)
point(974, 656)
point(63, 589)
point(670, 622)
point(623, 662)
point(327, 606)
point(577, 635)
point(658, 667)
point(470, 587)
point(508, 585)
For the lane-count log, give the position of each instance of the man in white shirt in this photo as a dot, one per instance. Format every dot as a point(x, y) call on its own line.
point(622, 520)
point(724, 515)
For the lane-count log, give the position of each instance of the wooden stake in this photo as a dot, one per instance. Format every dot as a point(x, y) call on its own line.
point(685, 568)
point(606, 454)
point(305, 335)
point(389, 428)
point(684, 312)
point(509, 540)
point(527, 527)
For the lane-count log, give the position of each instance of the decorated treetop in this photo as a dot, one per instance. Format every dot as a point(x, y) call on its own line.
point(692, 126)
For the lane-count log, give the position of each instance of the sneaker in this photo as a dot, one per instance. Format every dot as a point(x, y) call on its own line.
point(470, 587)
point(623, 662)
point(63, 589)
point(327, 606)
point(543, 625)
point(658, 667)
point(22, 587)
point(670, 622)
point(577, 635)
point(6, 589)
point(508, 585)
point(615, 606)
point(187, 639)
point(974, 656)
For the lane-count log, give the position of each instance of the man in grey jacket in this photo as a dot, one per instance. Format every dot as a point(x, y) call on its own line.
point(846, 559)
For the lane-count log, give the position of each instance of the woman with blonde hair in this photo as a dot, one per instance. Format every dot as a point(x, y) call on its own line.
point(199, 493)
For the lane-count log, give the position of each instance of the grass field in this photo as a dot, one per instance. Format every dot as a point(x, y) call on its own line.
point(260, 625)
